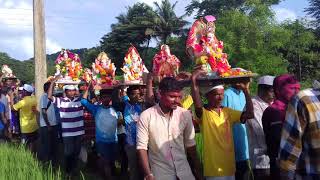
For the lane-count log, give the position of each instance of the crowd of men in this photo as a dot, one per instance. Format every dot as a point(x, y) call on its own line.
point(151, 132)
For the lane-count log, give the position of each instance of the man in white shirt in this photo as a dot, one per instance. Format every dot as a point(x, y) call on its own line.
point(165, 138)
point(257, 144)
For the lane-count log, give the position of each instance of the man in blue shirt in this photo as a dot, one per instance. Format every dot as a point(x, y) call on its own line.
point(2, 120)
point(235, 99)
point(106, 120)
point(132, 111)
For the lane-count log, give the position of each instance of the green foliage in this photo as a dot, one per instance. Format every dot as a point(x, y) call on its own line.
point(251, 43)
point(138, 26)
point(302, 48)
point(17, 164)
point(130, 29)
point(166, 21)
point(177, 46)
point(212, 7)
point(218, 7)
point(314, 11)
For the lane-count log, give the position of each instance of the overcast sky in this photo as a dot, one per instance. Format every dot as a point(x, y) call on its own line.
point(81, 23)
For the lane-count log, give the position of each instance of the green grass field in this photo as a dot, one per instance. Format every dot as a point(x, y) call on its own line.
point(16, 163)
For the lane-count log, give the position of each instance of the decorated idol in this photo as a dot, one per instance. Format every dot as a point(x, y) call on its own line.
point(103, 70)
point(133, 66)
point(204, 47)
point(87, 75)
point(68, 65)
point(165, 64)
point(7, 72)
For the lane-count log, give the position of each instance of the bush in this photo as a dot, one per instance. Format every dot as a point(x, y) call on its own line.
point(17, 163)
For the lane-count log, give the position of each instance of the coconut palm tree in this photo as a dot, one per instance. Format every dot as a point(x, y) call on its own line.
point(166, 22)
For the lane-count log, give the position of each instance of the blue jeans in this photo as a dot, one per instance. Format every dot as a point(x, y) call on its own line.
point(49, 144)
point(72, 148)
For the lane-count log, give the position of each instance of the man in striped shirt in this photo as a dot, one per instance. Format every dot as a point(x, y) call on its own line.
point(72, 125)
point(300, 144)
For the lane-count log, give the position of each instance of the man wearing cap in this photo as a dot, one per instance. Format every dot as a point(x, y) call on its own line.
point(28, 121)
point(72, 124)
point(257, 144)
point(217, 122)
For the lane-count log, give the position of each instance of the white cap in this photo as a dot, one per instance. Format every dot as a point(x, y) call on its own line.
point(69, 87)
point(267, 80)
point(28, 88)
point(206, 90)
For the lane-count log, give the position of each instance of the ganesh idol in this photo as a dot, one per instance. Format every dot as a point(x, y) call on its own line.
point(68, 65)
point(103, 70)
point(165, 64)
point(204, 47)
point(133, 66)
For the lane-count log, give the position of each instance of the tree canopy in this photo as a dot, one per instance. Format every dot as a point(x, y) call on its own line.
point(314, 11)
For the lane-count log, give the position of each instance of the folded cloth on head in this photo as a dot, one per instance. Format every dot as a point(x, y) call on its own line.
point(205, 90)
point(69, 87)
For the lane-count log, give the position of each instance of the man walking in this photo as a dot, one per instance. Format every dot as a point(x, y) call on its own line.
point(106, 120)
point(234, 98)
point(48, 128)
point(300, 147)
point(28, 121)
point(217, 122)
point(72, 125)
point(257, 143)
point(165, 138)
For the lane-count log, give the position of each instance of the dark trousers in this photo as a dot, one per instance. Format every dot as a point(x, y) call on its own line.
point(243, 170)
point(274, 169)
point(72, 148)
point(48, 144)
point(122, 153)
point(261, 174)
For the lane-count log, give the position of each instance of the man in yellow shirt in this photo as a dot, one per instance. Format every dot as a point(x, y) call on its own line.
point(217, 122)
point(28, 121)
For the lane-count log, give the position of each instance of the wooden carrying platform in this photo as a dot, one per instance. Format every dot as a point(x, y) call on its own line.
point(212, 81)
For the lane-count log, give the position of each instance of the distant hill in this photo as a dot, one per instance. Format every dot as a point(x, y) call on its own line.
point(24, 70)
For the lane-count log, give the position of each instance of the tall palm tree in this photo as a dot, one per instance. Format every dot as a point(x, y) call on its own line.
point(166, 22)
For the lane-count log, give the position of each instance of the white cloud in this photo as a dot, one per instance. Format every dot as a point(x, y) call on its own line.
point(8, 4)
point(283, 14)
point(16, 31)
point(150, 2)
point(26, 44)
point(52, 46)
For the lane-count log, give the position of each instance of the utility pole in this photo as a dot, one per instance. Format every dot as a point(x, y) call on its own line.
point(39, 47)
